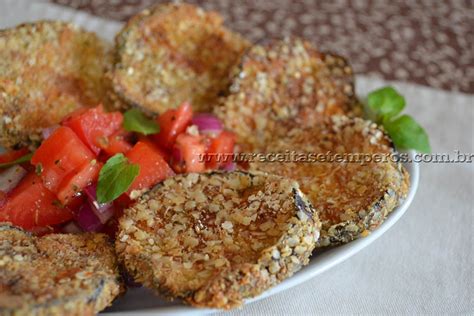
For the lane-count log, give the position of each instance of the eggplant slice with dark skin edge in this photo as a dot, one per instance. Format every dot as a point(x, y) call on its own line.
point(48, 69)
point(352, 198)
point(283, 84)
point(172, 53)
point(56, 274)
point(214, 239)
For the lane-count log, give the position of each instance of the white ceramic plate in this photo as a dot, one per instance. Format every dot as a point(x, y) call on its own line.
point(140, 300)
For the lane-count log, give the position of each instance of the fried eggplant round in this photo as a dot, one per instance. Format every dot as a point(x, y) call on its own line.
point(56, 274)
point(172, 53)
point(48, 69)
point(347, 169)
point(286, 84)
point(215, 239)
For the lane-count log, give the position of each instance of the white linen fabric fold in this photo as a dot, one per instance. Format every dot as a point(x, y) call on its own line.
point(424, 264)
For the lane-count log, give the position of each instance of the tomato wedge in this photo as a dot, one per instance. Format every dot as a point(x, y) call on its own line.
point(76, 182)
point(93, 125)
point(192, 150)
point(148, 140)
point(153, 168)
point(60, 155)
point(172, 123)
point(220, 150)
point(31, 205)
point(116, 144)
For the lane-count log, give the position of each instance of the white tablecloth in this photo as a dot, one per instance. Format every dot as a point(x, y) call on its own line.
point(424, 264)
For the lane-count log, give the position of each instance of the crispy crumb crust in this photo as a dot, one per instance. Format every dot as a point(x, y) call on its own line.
point(215, 239)
point(285, 84)
point(57, 274)
point(171, 53)
point(352, 198)
point(48, 69)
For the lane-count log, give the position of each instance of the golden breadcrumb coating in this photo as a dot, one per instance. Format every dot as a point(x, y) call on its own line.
point(285, 84)
point(171, 53)
point(352, 196)
point(48, 69)
point(215, 239)
point(57, 274)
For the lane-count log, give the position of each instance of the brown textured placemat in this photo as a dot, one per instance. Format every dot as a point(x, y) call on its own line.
point(427, 42)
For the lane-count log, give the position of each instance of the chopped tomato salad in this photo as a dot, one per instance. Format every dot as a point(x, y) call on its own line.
point(94, 126)
point(153, 167)
point(189, 152)
point(172, 123)
point(60, 156)
point(78, 180)
point(92, 166)
point(31, 205)
point(115, 144)
point(221, 150)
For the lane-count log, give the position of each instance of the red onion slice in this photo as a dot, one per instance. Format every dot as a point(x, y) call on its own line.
point(207, 123)
point(10, 178)
point(91, 192)
point(87, 220)
point(176, 156)
point(104, 211)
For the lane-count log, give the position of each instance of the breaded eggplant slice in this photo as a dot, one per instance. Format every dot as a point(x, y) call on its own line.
point(283, 84)
point(172, 53)
point(215, 239)
point(351, 194)
point(47, 70)
point(58, 274)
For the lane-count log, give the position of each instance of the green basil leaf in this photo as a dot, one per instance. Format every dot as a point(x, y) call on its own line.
point(386, 103)
point(20, 160)
point(135, 121)
point(406, 133)
point(115, 178)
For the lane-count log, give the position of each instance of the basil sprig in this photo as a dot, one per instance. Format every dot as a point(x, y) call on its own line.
point(383, 106)
point(115, 178)
point(135, 121)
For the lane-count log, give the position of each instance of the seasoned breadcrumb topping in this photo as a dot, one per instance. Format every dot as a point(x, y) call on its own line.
point(203, 237)
point(350, 197)
point(47, 70)
point(286, 84)
point(56, 274)
point(173, 53)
